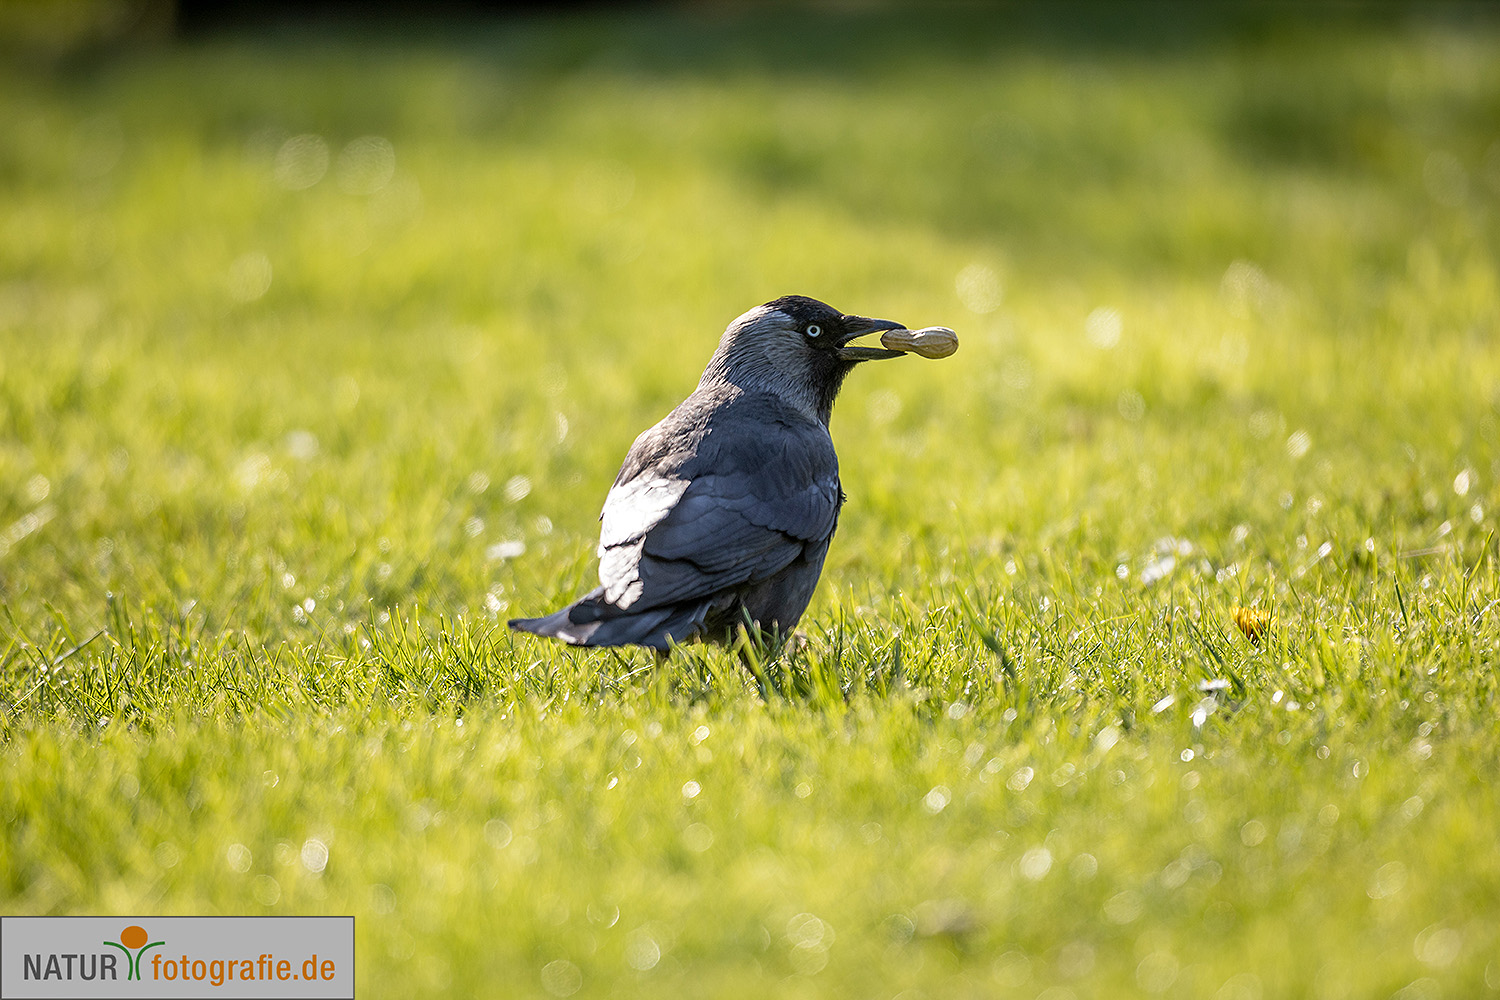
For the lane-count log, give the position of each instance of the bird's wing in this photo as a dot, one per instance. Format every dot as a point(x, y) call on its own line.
point(714, 500)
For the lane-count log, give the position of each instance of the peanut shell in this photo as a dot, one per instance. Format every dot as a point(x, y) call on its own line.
point(930, 342)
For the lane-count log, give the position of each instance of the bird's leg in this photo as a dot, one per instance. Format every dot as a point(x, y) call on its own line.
point(755, 653)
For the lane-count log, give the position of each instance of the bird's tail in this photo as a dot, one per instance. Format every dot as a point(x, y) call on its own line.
point(591, 621)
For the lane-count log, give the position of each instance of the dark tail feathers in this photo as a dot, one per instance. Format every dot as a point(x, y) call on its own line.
point(589, 621)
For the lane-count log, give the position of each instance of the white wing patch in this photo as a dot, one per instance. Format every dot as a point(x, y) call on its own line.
point(634, 508)
point(630, 510)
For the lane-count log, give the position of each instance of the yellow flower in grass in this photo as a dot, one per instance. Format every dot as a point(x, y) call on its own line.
point(1254, 622)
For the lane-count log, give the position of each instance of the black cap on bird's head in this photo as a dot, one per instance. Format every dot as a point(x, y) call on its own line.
point(796, 347)
point(830, 330)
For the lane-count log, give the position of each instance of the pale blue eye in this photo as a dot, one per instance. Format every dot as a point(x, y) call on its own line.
point(814, 330)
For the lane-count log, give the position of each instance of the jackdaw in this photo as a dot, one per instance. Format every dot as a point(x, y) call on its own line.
point(722, 513)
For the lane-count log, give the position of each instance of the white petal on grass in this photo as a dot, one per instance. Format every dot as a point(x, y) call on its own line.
point(505, 550)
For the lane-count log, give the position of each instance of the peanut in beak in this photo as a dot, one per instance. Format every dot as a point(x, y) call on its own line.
point(930, 342)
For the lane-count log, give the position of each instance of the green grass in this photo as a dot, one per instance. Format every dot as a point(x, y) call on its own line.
point(257, 539)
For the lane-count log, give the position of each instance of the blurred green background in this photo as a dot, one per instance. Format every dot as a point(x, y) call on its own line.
point(322, 337)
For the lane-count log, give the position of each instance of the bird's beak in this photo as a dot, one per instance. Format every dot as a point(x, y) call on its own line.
point(858, 326)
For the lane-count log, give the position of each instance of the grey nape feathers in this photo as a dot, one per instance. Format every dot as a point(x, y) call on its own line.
point(722, 512)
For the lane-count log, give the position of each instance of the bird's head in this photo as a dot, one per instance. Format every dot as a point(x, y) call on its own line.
point(796, 347)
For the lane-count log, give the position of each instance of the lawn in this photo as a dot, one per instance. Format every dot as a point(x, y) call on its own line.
point(320, 347)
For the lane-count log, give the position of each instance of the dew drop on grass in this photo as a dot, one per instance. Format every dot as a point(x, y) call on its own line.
point(1035, 863)
point(1124, 907)
point(1074, 959)
point(807, 929)
point(978, 288)
point(1157, 972)
point(808, 960)
point(1437, 946)
point(301, 162)
point(1103, 328)
point(249, 277)
point(238, 857)
point(1388, 880)
point(302, 445)
point(899, 928)
point(314, 855)
point(1244, 986)
point(267, 890)
point(382, 898)
point(1011, 969)
point(604, 915)
point(365, 165)
point(697, 838)
point(641, 950)
point(561, 978)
